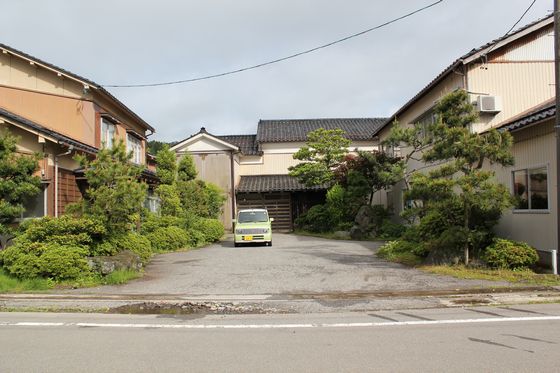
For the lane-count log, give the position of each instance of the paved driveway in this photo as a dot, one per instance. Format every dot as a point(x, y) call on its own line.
point(295, 264)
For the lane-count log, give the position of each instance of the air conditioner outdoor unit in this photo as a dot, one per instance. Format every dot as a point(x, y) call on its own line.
point(489, 104)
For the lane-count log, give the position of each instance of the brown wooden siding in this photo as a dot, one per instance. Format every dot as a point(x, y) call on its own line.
point(68, 191)
point(279, 206)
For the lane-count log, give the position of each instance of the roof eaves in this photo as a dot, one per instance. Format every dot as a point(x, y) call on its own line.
point(80, 79)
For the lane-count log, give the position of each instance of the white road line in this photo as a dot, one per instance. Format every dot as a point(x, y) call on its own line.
point(279, 326)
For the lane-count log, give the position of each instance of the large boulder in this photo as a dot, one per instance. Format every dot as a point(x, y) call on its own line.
point(107, 264)
point(357, 233)
point(364, 218)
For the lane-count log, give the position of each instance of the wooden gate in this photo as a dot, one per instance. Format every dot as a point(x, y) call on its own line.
point(279, 206)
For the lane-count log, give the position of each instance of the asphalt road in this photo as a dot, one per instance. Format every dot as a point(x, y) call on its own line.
point(520, 339)
point(295, 264)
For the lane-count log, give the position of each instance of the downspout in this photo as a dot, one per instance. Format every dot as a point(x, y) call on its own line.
point(69, 151)
point(233, 199)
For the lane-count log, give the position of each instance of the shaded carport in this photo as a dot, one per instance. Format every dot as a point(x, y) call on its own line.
point(283, 196)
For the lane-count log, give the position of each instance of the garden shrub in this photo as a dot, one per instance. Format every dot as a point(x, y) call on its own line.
point(65, 230)
point(134, 242)
point(400, 251)
point(317, 219)
point(47, 259)
point(196, 237)
point(389, 229)
point(212, 229)
point(504, 253)
point(168, 239)
point(152, 222)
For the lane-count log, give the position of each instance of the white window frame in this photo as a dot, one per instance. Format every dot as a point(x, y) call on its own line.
point(44, 186)
point(108, 133)
point(528, 169)
point(134, 145)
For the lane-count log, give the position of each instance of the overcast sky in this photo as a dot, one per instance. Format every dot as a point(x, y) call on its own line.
point(138, 41)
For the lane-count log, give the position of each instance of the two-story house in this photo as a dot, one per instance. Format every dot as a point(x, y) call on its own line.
point(253, 169)
point(60, 114)
point(511, 83)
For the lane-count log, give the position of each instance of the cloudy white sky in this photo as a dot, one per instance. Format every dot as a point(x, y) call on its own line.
point(140, 41)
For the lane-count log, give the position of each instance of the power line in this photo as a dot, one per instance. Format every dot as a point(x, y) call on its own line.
point(278, 59)
point(514, 25)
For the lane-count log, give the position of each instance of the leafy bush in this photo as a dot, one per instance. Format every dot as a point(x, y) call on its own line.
point(510, 254)
point(168, 238)
point(212, 229)
point(152, 222)
point(46, 259)
point(391, 230)
point(400, 251)
point(134, 242)
point(196, 237)
point(66, 230)
point(317, 219)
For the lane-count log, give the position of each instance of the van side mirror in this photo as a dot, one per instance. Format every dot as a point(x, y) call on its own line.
point(234, 221)
point(271, 219)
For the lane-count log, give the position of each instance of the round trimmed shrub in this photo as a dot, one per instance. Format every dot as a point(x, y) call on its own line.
point(169, 238)
point(196, 238)
point(153, 222)
point(35, 259)
point(509, 254)
point(134, 242)
point(212, 229)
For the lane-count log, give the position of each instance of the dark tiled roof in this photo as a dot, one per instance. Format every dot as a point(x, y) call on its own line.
point(246, 143)
point(537, 114)
point(458, 62)
point(78, 77)
point(272, 183)
point(62, 139)
point(289, 130)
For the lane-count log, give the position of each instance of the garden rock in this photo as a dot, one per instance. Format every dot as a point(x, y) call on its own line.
point(443, 257)
point(357, 233)
point(125, 260)
point(364, 218)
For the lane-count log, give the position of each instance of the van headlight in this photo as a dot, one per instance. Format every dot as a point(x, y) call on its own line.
point(238, 231)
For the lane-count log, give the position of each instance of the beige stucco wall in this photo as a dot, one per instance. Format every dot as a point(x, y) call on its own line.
point(534, 147)
point(278, 157)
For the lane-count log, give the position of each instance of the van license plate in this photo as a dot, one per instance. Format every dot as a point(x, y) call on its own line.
point(248, 238)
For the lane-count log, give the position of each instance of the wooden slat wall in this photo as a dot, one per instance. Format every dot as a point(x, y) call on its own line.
point(68, 191)
point(279, 206)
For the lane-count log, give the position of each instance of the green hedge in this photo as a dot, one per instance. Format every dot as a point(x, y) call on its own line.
point(212, 229)
point(169, 238)
point(510, 254)
point(49, 259)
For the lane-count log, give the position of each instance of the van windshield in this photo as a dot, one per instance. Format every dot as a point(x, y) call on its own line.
point(252, 217)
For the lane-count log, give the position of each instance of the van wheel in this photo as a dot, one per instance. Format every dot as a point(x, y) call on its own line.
point(269, 243)
point(236, 244)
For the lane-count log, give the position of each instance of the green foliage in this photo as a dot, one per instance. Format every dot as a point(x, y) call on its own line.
point(457, 198)
point(200, 198)
point(168, 239)
point(26, 260)
point(154, 146)
point(323, 152)
point(11, 284)
point(390, 230)
point(65, 230)
point(152, 222)
point(317, 219)
point(131, 241)
point(186, 170)
point(17, 183)
point(212, 229)
point(196, 238)
point(120, 276)
point(509, 254)
point(114, 194)
point(170, 200)
point(166, 165)
point(400, 251)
